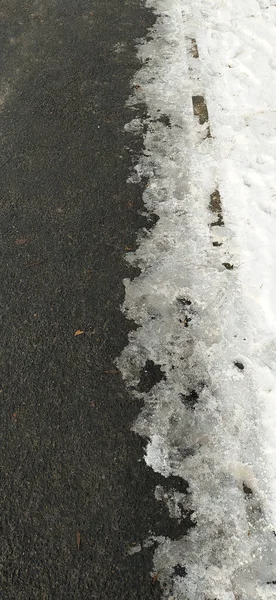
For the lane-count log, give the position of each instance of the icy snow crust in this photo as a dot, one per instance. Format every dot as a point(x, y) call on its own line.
point(196, 316)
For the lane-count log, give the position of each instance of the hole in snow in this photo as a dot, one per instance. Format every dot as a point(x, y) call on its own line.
point(179, 571)
point(218, 223)
point(184, 301)
point(190, 400)
point(194, 48)
point(184, 452)
point(150, 375)
point(185, 321)
point(217, 244)
point(187, 318)
point(200, 109)
point(215, 202)
point(239, 365)
point(165, 119)
point(180, 516)
point(176, 483)
point(247, 490)
point(152, 219)
point(216, 207)
point(228, 266)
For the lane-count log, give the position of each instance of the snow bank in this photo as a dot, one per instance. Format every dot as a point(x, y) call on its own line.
point(205, 301)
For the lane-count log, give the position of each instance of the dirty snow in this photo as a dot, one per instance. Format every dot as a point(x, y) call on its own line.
point(205, 301)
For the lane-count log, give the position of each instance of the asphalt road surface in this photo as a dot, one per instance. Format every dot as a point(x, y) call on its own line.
point(75, 494)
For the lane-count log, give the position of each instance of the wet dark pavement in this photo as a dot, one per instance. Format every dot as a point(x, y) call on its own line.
point(75, 493)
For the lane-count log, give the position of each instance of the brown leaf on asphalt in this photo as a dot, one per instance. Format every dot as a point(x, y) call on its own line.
point(21, 241)
point(88, 273)
point(35, 263)
point(93, 404)
point(111, 372)
point(78, 332)
point(78, 538)
point(155, 578)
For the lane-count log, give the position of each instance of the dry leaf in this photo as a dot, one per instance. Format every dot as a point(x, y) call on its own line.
point(78, 332)
point(93, 404)
point(155, 578)
point(111, 372)
point(78, 538)
point(21, 241)
point(36, 262)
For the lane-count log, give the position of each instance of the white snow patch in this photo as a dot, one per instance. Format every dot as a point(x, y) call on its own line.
point(199, 319)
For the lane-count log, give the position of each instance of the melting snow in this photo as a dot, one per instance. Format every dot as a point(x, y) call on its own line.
point(205, 301)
